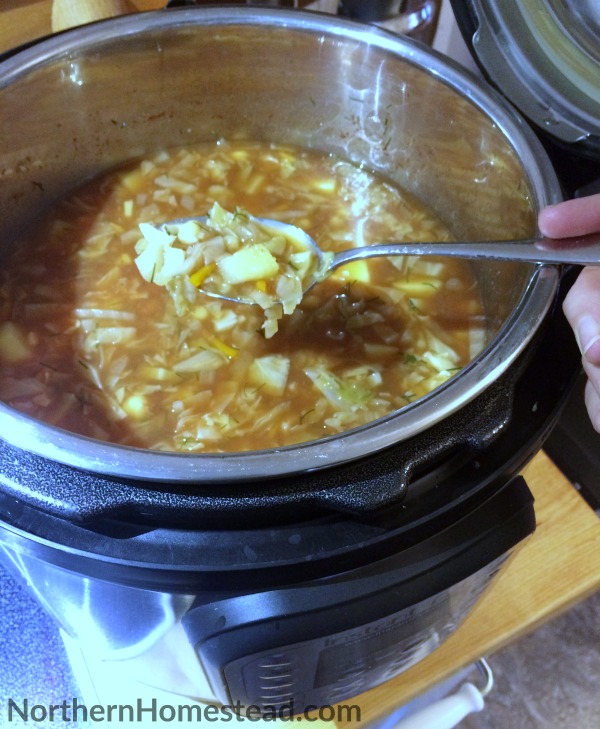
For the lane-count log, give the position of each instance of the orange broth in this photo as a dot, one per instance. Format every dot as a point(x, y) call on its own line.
point(90, 346)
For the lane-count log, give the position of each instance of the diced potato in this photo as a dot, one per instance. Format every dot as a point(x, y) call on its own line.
point(252, 263)
point(133, 180)
point(136, 406)
point(270, 373)
point(13, 344)
point(355, 271)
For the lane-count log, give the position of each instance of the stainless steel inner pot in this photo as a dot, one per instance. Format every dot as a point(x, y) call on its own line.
point(83, 101)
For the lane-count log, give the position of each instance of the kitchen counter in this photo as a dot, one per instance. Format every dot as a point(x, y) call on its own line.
point(555, 568)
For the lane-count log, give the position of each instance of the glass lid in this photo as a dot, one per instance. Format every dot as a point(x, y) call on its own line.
point(544, 55)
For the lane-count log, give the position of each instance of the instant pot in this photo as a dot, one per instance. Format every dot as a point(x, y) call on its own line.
point(309, 574)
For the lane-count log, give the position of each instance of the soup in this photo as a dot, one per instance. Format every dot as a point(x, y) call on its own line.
point(90, 345)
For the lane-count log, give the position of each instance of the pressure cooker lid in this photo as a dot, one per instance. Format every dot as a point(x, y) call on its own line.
point(544, 56)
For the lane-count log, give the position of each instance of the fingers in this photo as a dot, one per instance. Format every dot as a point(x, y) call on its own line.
point(582, 309)
point(593, 373)
point(592, 404)
point(582, 303)
point(571, 218)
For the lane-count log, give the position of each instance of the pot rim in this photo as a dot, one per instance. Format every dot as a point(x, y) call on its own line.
point(515, 334)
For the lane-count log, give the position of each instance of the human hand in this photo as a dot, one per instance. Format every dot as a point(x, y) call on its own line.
point(582, 303)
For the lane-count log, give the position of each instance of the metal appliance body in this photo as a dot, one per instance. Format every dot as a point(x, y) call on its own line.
point(138, 83)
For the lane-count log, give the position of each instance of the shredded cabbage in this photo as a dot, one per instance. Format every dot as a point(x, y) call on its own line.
point(343, 394)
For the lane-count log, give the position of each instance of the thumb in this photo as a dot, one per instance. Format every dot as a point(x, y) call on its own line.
point(582, 309)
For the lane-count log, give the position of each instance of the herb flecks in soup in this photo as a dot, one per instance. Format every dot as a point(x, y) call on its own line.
point(89, 345)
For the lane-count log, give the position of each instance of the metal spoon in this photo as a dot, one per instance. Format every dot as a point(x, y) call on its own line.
point(582, 250)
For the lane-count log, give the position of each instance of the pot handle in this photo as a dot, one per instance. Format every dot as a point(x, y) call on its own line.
point(451, 710)
point(447, 712)
point(415, 15)
point(421, 17)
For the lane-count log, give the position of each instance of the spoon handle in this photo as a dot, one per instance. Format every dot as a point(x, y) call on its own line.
point(583, 250)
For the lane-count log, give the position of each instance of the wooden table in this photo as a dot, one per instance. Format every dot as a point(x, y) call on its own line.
point(556, 567)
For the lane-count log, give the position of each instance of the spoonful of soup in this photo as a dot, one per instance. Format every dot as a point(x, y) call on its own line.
point(235, 256)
